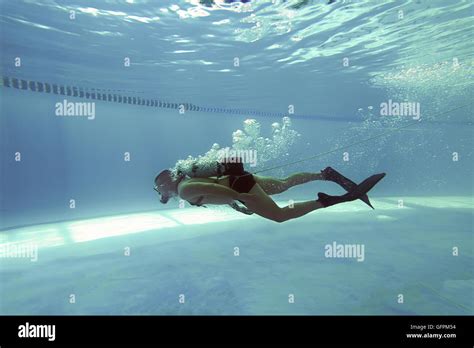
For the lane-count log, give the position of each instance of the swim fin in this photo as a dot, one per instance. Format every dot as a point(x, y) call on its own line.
point(347, 184)
point(356, 193)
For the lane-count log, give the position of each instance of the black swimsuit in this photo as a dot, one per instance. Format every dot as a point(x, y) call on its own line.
point(242, 183)
point(239, 180)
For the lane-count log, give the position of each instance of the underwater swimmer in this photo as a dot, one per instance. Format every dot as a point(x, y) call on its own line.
point(232, 183)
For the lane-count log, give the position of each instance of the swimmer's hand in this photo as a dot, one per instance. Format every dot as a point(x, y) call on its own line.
point(240, 209)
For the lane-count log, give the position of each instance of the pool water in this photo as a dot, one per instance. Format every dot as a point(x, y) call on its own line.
point(362, 86)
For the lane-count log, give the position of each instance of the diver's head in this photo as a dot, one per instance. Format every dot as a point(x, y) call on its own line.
point(165, 186)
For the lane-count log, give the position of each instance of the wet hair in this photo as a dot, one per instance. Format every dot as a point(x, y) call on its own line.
point(162, 175)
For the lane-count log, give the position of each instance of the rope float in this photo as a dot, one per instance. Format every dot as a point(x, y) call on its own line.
point(107, 96)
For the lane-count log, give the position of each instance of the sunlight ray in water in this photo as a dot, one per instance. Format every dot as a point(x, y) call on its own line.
point(60, 233)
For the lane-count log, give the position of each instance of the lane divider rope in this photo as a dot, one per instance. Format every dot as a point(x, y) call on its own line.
point(114, 97)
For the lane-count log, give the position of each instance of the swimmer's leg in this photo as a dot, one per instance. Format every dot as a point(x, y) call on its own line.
point(262, 204)
point(273, 186)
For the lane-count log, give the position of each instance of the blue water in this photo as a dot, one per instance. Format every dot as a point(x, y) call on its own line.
point(79, 191)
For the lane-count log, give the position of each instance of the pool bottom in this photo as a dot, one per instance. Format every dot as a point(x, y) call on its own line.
point(417, 259)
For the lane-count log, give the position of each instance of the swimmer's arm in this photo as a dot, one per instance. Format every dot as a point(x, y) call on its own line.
point(212, 193)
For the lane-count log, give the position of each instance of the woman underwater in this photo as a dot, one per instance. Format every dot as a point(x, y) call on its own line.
point(221, 182)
